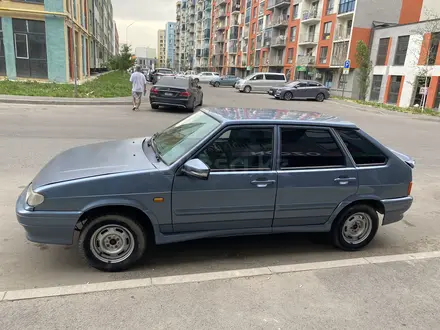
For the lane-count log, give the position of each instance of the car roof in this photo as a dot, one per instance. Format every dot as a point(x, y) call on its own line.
point(275, 116)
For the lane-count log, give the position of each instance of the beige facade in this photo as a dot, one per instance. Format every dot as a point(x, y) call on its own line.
point(161, 49)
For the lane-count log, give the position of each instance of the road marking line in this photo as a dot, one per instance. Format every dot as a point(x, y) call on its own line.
point(203, 277)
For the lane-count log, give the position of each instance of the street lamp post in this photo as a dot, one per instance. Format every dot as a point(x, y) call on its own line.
point(126, 32)
point(75, 64)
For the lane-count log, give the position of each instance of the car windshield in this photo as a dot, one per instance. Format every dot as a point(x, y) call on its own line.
point(249, 77)
point(177, 140)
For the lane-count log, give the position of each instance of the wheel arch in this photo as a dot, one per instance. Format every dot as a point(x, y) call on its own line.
point(146, 220)
point(374, 202)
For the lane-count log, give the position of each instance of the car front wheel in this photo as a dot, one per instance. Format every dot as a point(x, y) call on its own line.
point(355, 227)
point(247, 89)
point(112, 242)
point(288, 96)
point(320, 97)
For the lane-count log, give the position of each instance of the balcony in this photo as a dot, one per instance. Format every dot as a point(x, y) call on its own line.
point(308, 39)
point(207, 34)
point(342, 34)
point(221, 13)
point(347, 8)
point(218, 50)
point(233, 47)
point(220, 2)
point(236, 7)
point(276, 61)
point(244, 47)
point(278, 42)
point(305, 60)
point(311, 16)
point(219, 38)
point(231, 62)
point(205, 52)
point(339, 54)
point(220, 26)
point(279, 21)
point(198, 52)
point(272, 4)
point(235, 21)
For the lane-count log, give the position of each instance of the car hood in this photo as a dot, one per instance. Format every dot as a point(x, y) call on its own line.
point(407, 159)
point(93, 160)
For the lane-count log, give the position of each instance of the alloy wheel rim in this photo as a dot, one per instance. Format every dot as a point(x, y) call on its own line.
point(112, 243)
point(288, 96)
point(357, 228)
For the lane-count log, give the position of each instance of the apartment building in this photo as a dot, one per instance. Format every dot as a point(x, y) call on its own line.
point(202, 34)
point(36, 39)
point(116, 37)
point(161, 46)
point(169, 43)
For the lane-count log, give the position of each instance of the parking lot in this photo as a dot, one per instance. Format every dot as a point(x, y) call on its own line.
point(32, 134)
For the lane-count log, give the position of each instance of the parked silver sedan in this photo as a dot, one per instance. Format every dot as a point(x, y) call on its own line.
point(302, 90)
point(218, 172)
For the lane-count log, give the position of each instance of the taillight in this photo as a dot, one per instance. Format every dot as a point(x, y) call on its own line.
point(409, 188)
point(185, 94)
point(154, 91)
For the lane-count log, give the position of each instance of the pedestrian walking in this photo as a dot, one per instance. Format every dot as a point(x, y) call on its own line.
point(139, 86)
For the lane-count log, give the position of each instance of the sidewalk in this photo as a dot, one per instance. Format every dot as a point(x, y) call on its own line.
point(364, 293)
point(17, 99)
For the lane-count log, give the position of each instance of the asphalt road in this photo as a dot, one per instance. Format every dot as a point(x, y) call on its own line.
point(31, 134)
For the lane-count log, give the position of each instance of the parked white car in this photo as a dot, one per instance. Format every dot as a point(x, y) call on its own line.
point(205, 76)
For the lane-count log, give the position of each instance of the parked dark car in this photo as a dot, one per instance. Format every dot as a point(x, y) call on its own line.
point(182, 92)
point(218, 172)
point(157, 74)
point(301, 89)
point(224, 81)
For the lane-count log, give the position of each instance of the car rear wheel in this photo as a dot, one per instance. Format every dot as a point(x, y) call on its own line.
point(355, 227)
point(216, 84)
point(247, 89)
point(191, 105)
point(288, 96)
point(320, 97)
point(112, 242)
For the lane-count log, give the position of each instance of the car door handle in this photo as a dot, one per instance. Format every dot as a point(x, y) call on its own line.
point(344, 181)
point(262, 183)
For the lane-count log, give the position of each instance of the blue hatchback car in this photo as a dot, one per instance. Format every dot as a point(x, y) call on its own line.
point(218, 172)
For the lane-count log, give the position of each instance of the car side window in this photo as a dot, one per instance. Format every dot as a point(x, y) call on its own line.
point(240, 149)
point(363, 151)
point(304, 147)
point(302, 85)
point(314, 84)
point(258, 77)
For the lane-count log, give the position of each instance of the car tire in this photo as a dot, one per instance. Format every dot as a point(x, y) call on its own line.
point(201, 101)
point(320, 97)
point(364, 218)
point(216, 84)
point(154, 106)
point(192, 106)
point(288, 96)
point(196, 80)
point(247, 89)
point(108, 232)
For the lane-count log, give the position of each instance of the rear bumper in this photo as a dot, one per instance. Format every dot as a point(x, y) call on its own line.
point(395, 209)
point(44, 226)
point(180, 103)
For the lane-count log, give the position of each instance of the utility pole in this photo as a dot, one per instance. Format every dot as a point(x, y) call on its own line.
point(126, 32)
point(75, 64)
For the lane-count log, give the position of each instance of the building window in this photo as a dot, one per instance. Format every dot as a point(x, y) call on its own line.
point(382, 51)
point(290, 56)
point(293, 33)
point(295, 11)
point(402, 47)
point(326, 31)
point(346, 6)
point(323, 55)
point(375, 87)
point(2, 52)
point(330, 7)
point(30, 48)
point(437, 98)
point(433, 48)
point(393, 93)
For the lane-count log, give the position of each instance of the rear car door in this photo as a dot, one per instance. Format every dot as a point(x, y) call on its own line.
point(313, 89)
point(314, 176)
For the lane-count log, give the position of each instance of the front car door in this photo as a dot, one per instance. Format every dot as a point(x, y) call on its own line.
point(257, 82)
point(315, 175)
point(300, 92)
point(240, 191)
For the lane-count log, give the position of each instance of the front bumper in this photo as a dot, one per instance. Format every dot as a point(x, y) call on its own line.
point(395, 209)
point(239, 87)
point(48, 227)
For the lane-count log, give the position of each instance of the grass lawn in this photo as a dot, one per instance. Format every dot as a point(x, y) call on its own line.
point(113, 84)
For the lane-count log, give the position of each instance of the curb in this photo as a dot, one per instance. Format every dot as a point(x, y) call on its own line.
point(17, 295)
point(65, 102)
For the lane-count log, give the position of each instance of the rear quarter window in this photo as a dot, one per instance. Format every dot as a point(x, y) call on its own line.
point(363, 151)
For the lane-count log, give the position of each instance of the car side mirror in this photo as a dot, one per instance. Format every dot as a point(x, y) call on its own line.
point(196, 168)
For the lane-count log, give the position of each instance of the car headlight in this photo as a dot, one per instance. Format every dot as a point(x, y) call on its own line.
point(32, 198)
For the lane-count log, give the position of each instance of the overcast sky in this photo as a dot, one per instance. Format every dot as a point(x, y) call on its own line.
point(148, 15)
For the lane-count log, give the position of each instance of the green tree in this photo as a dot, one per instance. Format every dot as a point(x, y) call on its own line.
point(365, 66)
point(123, 61)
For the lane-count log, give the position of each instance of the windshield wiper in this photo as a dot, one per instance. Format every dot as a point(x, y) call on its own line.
point(153, 145)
